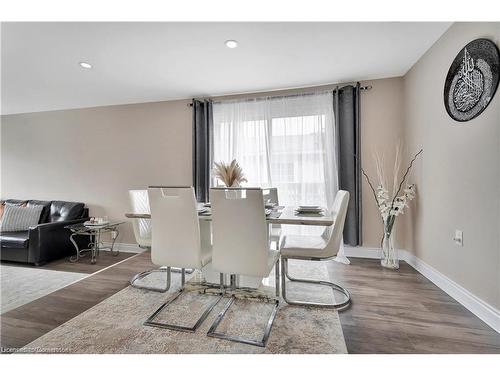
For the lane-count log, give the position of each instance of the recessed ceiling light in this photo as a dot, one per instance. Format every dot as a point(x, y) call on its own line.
point(85, 65)
point(231, 43)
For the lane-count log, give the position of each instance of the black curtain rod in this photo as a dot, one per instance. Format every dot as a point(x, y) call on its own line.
point(362, 88)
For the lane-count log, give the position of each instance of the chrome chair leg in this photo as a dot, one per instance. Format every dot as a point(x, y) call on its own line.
point(151, 323)
point(187, 271)
point(277, 278)
point(284, 275)
point(262, 343)
point(221, 281)
point(143, 274)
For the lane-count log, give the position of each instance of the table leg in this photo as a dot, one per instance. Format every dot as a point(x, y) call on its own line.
point(95, 248)
point(115, 236)
point(77, 256)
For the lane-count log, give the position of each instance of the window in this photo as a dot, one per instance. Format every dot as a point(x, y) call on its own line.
point(283, 142)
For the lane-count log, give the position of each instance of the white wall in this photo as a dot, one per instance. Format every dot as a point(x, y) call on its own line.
point(381, 129)
point(458, 178)
point(95, 155)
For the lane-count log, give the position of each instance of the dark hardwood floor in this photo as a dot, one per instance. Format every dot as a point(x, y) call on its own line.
point(403, 312)
point(392, 311)
point(83, 265)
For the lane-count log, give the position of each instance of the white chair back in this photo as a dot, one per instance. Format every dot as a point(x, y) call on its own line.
point(270, 195)
point(339, 211)
point(175, 227)
point(240, 240)
point(139, 203)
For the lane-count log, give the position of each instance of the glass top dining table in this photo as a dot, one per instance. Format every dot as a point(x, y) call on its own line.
point(280, 215)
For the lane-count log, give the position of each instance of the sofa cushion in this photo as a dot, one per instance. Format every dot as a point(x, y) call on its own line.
point(14, 202)
point(62, 211)
point(19, 218)
point(10, 202)
point(17, 240)
point(44, 217)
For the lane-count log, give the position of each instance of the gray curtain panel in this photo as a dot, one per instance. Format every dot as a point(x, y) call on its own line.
point(346, 104)
point(202, 143)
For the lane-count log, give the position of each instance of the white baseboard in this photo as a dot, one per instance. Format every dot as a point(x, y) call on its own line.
point(484, 311)
point(126, 247)
point(362, 252)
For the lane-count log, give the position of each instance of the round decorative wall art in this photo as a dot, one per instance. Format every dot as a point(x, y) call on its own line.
point(472, 80)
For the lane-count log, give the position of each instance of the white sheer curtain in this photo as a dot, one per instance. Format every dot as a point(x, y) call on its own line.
point(285, 142)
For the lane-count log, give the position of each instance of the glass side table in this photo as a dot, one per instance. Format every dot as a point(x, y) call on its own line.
point(95, 244)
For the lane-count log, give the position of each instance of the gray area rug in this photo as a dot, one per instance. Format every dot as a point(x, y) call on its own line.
point(20, 285)
point(116, 324)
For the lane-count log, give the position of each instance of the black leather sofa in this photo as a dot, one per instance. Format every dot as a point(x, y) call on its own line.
point(48, 240)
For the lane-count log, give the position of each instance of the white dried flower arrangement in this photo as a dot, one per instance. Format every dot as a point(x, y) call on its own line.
point(395, 206)
point(230, 174)
point(392, 205)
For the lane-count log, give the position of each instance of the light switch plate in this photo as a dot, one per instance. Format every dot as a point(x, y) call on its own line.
point(459, 237)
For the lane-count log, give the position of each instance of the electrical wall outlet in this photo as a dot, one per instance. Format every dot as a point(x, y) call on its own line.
point(114, 234)
point(459, 237)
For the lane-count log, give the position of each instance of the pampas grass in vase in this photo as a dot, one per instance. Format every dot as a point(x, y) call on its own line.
point(230, 174)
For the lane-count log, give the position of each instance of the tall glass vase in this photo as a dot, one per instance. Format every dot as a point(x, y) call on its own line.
point(390, 258)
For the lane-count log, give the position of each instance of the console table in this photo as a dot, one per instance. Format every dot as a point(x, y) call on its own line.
point(95, 245)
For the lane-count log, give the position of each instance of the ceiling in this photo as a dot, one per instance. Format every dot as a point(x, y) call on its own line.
point(143, 62)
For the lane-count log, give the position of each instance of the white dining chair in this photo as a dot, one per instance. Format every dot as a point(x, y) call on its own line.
point(270, 195)
point(176, 242)
point(139, 204)
point(317, 248)
point(241, 247)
